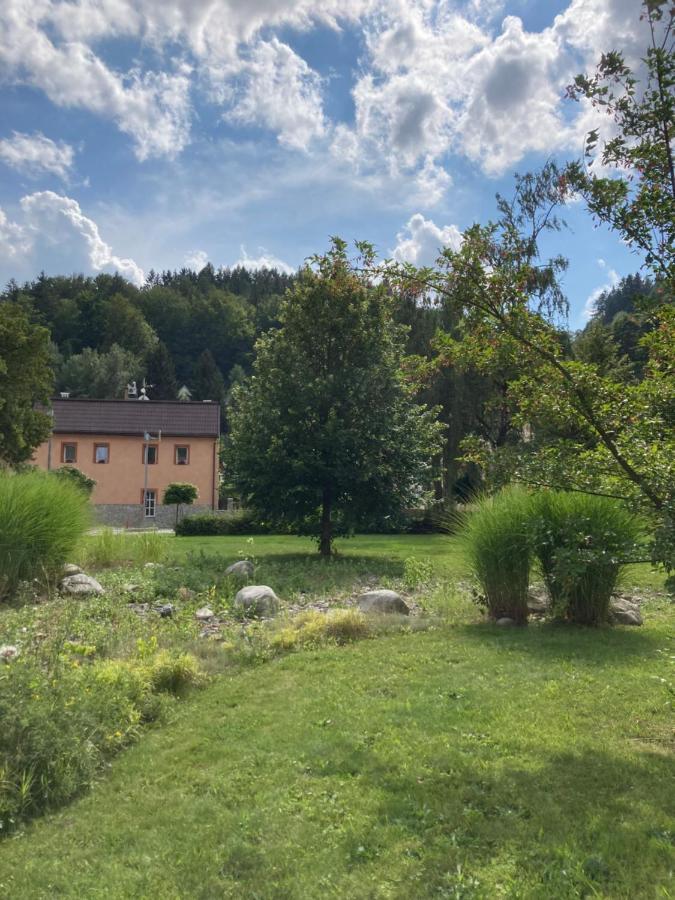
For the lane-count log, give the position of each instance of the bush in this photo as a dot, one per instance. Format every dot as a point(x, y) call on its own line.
point(498, 544)
point(42, 519)
point(242, 522)
point(340, 626)
point(76, 477)
point(581, 542)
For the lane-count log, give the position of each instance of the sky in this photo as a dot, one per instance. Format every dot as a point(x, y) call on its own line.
point(153, 134)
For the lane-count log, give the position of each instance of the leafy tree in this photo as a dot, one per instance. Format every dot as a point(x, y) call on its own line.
point(179, 493)
point(100, 375)
point(327, 431)
point(25, 380)
point(161, 374)
point(126, 327)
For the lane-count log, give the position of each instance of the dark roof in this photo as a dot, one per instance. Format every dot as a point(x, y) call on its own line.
point(192, 419)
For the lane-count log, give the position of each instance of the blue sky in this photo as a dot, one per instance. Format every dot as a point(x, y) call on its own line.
point(139, 135)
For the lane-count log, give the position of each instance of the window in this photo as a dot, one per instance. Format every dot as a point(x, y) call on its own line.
point(101, 453)
point(150, 454)
point(182, 455)
point(149, 503)
point(68, 453)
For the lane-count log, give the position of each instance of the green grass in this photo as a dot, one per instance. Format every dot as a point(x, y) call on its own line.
point(462, 761)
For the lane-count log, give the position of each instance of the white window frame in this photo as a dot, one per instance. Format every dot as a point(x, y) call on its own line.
point(150, 503)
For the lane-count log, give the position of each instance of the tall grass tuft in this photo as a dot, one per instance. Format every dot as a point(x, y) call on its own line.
point(42, 519)
point(582, 543)
point(109, 548)
point(497, 541)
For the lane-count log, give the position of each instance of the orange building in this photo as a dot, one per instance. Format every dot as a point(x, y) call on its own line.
point(133, 449)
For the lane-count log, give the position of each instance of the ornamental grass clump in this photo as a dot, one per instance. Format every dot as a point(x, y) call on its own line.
point(498, 547)
point(42, 519)
point(582, 542)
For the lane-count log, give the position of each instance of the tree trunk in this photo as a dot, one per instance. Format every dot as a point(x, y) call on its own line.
point(326, 539)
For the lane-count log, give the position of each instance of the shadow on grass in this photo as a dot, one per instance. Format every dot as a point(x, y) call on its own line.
point(604, 646)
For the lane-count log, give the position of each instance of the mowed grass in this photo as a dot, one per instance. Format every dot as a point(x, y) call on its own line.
point(464, 761)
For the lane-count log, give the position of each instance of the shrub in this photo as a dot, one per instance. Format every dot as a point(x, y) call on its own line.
point(173, 673)
point(497, 540)
point(242, 522)
point(340, 626)
point(42, 519)
point(581, 542)
point(76, 477)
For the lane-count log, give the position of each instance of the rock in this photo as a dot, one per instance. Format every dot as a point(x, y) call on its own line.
point(243, 568)
point(151, 566)
point(166, 610)
point(71, 569)
point(505, 622)
point(8, 652)
point(184, 593)
point(80, 584)
point(204, 614)
point(257, 600)
point(624, 612)
point(384, 602)
point(538, 602)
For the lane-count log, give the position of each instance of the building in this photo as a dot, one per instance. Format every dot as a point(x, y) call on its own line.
point(133, 449)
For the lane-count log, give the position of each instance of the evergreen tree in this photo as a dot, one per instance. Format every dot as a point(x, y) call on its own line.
point(208, 382)
point(161, 374)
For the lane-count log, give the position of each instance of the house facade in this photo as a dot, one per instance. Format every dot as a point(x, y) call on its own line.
point(133, 449)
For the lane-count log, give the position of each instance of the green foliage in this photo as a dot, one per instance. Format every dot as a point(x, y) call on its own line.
point(340, 626)
point(328, 424)
point(582, 543)
point(161, 374)
point(109, 548)
point(179, 493)
point(100, 375)
point(498, 545)
point(42, 519)
point(76, 477)
point(25, 380)
point(417, 572)
point(207, 381)
point(241, 522)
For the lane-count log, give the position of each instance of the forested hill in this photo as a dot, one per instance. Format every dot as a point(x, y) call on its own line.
point(181, 328)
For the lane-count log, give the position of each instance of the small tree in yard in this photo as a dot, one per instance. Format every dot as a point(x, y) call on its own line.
point(327, 430)
point(178, 494)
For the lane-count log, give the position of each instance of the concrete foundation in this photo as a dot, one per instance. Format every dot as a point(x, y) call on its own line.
point(121, 515)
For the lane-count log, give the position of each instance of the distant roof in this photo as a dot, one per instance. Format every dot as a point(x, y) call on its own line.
point(193, 419)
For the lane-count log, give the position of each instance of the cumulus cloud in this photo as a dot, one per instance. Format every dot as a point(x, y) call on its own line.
point(14, 242)
point(421, 241)
point(263, 260)
point(35, 154)
point(46, 213)
point(196, 260)
point(592, 299)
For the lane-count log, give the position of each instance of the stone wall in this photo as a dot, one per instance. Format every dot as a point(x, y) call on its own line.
point(121, 515)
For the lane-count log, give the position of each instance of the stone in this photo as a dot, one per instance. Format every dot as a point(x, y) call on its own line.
point(243, 568)
point(166, 610)
point(505, 622)
point(383, 602)
point(184, 593)
point(538, 602)
point(204, 614)
point(624, 612)
point(151, 566)
point(80, 584)
point(257, 600)
point(8, 652)
point(71, 569)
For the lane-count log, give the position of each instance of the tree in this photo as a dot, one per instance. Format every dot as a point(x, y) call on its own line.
point(179, 493)
point(25, 381)
point(327, 432)
point(100, 375)
point(161, 374)
point(208, 381)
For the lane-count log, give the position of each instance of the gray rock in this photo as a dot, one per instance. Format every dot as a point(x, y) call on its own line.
point(243, 568)
point(166, 610)
point(204, 614)
point(505, 622)
point(71, 569)
point(538, 602)
point(257, 600)
point(80, 584)
point(8, 652)
point(152, 565)
point(383, 602)
point(624, 612)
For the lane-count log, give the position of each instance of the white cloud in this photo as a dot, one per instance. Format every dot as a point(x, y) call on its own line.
point(611, 282)
point(264, 260)
point(280, 92)
point(45, 214)
point(14, 242)
point(196, 259)
point(421, 241)
point(35, 154)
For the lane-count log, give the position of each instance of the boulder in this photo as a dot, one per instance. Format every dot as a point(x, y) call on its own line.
point(257, 600)
point(204, 614)
point(8, 652)
point(624, 612)
point(166, 610)
point(71, 569)
point(243, 568)
point(383, 602)
point(538, 602)
point(505, 622)
point(80, 584)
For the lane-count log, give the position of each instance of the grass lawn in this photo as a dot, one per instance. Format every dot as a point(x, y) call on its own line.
point(463, 761)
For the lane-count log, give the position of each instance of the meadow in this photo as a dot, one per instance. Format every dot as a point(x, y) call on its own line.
point(437, 757)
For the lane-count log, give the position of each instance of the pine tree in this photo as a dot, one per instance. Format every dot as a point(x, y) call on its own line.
point(208, 382)
point(161, 374)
